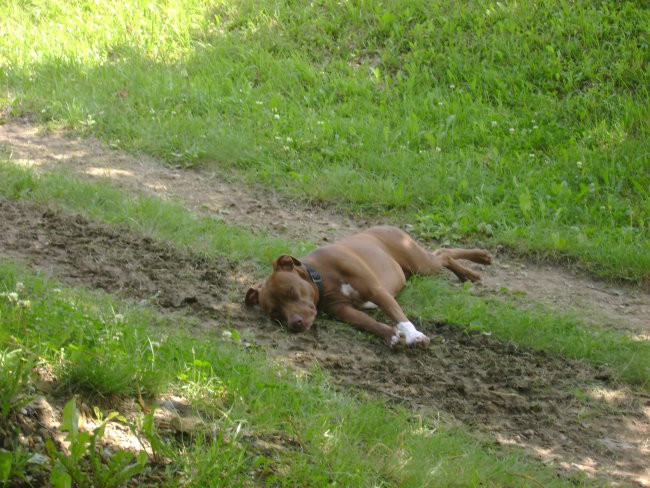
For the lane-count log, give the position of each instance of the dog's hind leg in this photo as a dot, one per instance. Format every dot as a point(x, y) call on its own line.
point(425, 262)
point(480, 256)
point(447, 257)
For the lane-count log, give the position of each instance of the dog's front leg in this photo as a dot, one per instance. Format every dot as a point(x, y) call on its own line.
point(359, 319)
point(387, 303)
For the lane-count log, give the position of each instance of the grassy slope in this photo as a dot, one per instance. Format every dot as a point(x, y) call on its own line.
point(522, 124)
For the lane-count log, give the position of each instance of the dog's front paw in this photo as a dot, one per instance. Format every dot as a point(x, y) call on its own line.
point(394, 339)
point(472, 276)
point(416, 339)
point(412, 336)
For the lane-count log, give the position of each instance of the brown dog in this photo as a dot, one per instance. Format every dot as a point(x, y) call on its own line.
point(365, 270)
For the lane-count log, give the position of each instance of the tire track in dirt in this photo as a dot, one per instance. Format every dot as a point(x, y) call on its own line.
point(519, 396)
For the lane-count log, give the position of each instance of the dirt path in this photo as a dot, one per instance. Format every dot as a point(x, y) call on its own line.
point(619, 307)
point(518, 396)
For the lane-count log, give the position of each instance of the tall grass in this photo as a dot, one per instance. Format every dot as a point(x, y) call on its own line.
point(516, 123)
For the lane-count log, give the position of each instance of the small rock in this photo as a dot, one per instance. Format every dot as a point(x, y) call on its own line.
point(186, 425)
point(38, 459)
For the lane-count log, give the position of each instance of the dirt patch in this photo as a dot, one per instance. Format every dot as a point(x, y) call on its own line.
point(251, 207)
point(112, 259)
point(565, 412)
point(623, 308)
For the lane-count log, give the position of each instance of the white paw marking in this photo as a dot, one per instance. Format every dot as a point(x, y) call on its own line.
point(395, 339)
point(347, 290)
point(411, 334)
point(369, 305)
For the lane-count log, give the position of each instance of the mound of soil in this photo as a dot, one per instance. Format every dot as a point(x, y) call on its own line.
point(561, 410)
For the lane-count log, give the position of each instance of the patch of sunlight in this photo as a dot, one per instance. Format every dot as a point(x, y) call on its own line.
point(609, 395)
point(108, 172)
point(25, 163)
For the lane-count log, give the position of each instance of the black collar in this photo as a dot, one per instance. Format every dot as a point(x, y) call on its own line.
point(316, 278)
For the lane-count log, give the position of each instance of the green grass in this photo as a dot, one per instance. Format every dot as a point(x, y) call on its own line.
point(166, 220)
point(537, 326)
point(518, 124)
point(97, 347)
point(499, 122)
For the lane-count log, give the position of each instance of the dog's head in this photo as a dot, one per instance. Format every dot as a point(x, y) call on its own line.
point(286, 295)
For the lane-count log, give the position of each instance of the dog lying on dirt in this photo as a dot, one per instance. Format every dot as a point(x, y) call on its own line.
point(365, 270)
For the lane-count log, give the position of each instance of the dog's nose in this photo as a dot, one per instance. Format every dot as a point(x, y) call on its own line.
point(296, 321)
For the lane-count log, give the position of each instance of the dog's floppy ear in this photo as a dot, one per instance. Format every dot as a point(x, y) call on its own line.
point(285, 263)
point(253, 296)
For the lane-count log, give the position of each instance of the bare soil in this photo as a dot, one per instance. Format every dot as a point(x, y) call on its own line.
point(621, 307)
point(517, 396)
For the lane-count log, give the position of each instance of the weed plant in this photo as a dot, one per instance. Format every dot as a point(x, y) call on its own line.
point(15, 377)
point(83, 464)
